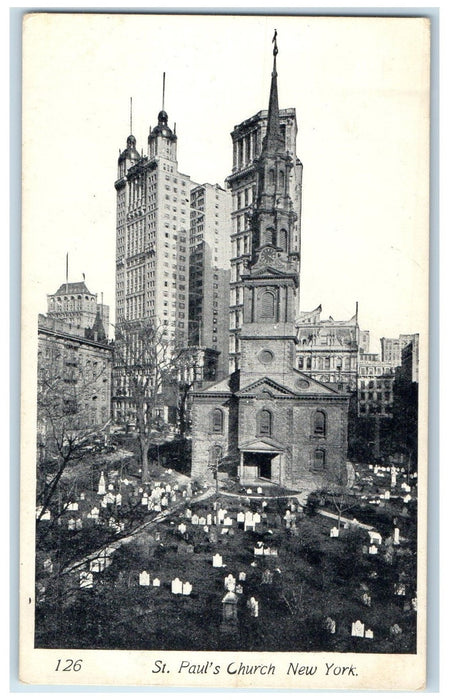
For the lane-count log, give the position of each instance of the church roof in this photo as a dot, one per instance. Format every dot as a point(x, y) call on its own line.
point(293, 383)
point(73, 288)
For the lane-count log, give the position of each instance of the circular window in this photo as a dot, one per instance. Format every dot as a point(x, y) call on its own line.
point(266, 356)
point(302, 384)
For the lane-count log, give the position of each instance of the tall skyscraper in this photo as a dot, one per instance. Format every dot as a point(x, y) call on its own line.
point(247, 139)
point(209, 271)
point(152, 244)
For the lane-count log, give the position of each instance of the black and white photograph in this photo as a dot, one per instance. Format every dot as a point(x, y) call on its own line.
point(224, 350)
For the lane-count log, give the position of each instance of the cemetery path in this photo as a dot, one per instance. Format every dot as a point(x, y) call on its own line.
point(334, 516)
point(301, 496)
point(130, 536)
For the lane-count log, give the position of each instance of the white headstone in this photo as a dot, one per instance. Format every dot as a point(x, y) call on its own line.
point(240, 517)
point(369, 634)
point(242, 576)
point(156, 582)
point(374, 537)
point(259, 489)
point(334, 532)
point(101, 485)
point(144, 578)
point(79, 524)
point(186, 588)
point(396, 539)
point(330, 625)
point(118, 499)
point(195, 519)
point(217, 561)
point(86, 579)
point(176, 586)
point(182, 528)
point(71, 524)
point(372, 549)
point(357, 629)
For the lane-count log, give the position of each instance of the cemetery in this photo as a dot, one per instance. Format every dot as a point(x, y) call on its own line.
point(175, 565)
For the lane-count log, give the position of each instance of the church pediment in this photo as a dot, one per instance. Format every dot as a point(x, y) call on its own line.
point(265, 388)
point(259, 445)
point(294, 384)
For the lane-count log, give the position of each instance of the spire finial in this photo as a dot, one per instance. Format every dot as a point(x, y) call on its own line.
point(273, 139)
point(163, 90)
point(130, 115)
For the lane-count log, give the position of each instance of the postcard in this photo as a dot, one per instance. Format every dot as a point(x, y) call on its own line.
point(225, 254)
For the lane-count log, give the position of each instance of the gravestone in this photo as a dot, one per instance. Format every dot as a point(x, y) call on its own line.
point(101, 485)
point(78, 524)
point(357, 629)
point(156, 582)
point(86, 579)
point(369, 634)
point(229, 608)
point(395, 630)
point(253, 606)
point(372, 549)
point(48, 566)
point(186, 588)
point(330, 625)
point(334, 532)
point(176, 586)
point(71, 524)
point(144, 578)
point(242, 576)
point(217, 561)
point(229, 582)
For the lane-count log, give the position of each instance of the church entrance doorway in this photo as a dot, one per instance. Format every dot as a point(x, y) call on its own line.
point(259, 465)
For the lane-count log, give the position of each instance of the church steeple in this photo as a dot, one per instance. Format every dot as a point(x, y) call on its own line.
point(273, 142)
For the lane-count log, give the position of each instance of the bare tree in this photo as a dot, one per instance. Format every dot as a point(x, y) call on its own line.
point(153, 371)
point(69, 383)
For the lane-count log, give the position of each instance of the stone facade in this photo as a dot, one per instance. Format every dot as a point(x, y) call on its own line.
point(269, 421)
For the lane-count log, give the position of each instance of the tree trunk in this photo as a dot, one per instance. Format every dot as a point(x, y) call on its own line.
point(144, 447)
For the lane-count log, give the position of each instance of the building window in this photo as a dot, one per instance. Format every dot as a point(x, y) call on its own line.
point(267, 305)
point(282, 239)
point(309, 363)
point(300, 363)
point(319, 423)
point(319, 459)
point(264, 423)
point(217, 420)
point(268, 238)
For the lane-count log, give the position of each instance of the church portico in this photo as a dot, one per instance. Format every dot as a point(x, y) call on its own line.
point(261, 460)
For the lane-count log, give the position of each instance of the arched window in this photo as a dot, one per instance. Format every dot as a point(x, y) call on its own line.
point(319, 459)
point(282, 239)
point(319, 423)
point(268, 237)
point(267, 305)
point(217, 420)
point(281, 180)
point(271, 177)
point(309, 363)
point(300, 363)
point(264, 423)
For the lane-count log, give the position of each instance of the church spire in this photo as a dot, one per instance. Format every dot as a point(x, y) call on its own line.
point(273, 141)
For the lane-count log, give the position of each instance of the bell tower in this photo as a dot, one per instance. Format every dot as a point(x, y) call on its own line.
point(270, 281)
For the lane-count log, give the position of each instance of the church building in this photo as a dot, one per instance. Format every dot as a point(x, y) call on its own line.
point(268, 420)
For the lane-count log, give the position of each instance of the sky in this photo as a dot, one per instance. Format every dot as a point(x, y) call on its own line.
point(360, 89)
